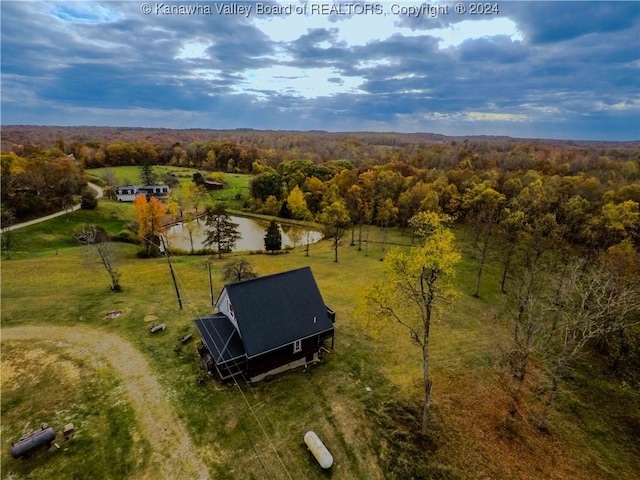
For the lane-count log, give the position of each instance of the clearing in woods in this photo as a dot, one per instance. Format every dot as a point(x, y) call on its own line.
point(173, 454)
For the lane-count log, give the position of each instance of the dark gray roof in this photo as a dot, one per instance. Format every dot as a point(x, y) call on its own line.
point(220, 337)
point(278, 309)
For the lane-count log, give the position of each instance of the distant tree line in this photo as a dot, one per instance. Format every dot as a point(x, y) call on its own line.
point(589, 211)
point(234, 150)
point(218, 156)
point(425, 150)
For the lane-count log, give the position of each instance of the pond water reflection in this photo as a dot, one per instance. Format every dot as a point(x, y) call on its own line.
point(252, 233)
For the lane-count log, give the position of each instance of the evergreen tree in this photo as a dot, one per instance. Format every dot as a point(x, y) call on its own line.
point(273, 238)
point(147, 174)
point(221, 232)
point(284, 211)
point(198, 179)
point(7, 220)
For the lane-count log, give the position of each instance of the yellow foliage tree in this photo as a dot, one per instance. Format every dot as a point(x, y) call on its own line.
point(412, 289)
point(194, 195)
point(335, 219)
point(620, 218)
point(272, 205)
point(297, 204)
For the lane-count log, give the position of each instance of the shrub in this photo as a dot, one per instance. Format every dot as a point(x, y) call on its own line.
point(88, 199)
point(126, 236)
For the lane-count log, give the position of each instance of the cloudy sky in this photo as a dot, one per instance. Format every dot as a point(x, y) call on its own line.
point(561, 69)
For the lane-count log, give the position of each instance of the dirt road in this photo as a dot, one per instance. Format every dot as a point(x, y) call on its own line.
point(172, 455)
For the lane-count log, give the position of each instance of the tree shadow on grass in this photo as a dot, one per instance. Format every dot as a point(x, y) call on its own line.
point(404, 453)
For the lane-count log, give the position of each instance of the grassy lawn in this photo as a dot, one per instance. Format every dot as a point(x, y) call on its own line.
point(56, 386)
point(244, 432)
point(57, 233)
point(235, 192)
point(130, 175)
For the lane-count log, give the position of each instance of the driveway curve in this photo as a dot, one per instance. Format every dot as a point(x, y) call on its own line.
point(172, 453)
point(99, 194)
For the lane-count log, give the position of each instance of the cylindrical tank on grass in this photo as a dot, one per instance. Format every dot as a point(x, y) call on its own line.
point(44, 436)
point(318, 449)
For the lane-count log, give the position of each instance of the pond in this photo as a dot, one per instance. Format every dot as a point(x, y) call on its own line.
point(252, 233)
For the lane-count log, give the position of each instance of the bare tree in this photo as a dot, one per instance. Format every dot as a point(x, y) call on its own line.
point(557, 313)
point(110, 181)
point(238, 270)
point(526, 307)
point(99, 241)
point(591, 303)
point(530, 299)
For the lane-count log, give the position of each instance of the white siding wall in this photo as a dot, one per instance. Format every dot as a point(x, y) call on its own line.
point(129, 196)
point(224, 306)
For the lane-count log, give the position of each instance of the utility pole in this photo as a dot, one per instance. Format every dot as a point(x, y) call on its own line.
point(210, 284)
point(173, 275)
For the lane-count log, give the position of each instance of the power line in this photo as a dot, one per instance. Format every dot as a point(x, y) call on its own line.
point(269, 440)
point(179, 280)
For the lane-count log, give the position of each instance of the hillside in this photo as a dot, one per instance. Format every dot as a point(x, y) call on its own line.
point(47, 136)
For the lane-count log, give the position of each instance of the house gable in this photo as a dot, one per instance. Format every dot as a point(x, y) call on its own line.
point(224, 305)
point(276, 310)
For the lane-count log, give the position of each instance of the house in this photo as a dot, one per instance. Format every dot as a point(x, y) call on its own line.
point(265, 326)
point(128, 193)
point(213, 185)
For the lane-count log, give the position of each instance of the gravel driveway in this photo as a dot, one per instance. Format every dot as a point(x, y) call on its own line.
point(172, 453)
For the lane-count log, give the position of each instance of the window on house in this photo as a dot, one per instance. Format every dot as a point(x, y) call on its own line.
point(297, 346)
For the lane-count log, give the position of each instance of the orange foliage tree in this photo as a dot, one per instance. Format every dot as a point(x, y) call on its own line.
point(150, 215)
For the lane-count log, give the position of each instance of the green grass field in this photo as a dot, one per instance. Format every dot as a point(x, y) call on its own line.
point(130, 175)
point(244, 432)
point(234, 194)
point(57, 233)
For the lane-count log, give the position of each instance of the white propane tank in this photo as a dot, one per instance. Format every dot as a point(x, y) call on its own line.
point(318, 449)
